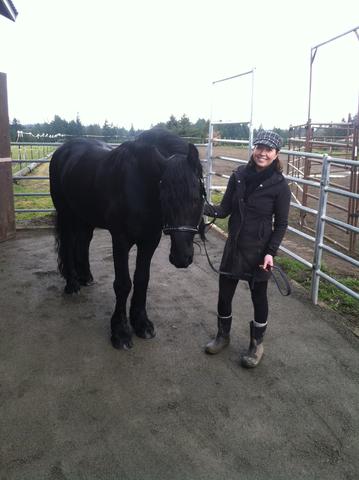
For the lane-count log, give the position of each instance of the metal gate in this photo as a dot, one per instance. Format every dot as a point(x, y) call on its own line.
point(320, 213)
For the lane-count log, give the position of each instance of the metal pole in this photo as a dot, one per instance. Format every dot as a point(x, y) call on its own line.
point(353, 204)
point(250, 123)
point(312, 57)
point(313, 53)
point(353, 30)
point(209, 162)
point(251, 119)
point(233, 76)
point(319, 236)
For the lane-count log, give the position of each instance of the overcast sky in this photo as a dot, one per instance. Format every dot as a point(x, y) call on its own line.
point(139, 61)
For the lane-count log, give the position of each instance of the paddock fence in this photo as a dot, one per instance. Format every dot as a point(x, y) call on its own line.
point(327, 196)
point(26, 157)
point(26, 153)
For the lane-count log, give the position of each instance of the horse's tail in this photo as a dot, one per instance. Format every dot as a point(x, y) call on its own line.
point(62, 225)
point(58, 244)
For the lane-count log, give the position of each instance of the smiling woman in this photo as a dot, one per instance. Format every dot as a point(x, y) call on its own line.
point(256, 195)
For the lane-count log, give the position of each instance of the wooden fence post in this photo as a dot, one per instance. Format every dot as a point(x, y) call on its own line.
point(7, 214)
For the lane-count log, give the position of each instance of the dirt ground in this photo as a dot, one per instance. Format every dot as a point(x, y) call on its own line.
point(72, 407)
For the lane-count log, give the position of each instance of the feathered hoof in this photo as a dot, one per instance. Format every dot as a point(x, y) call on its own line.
point(87, 283)
point(121, 343)
point(142, 326)
point(146, 333)
point(71, 287)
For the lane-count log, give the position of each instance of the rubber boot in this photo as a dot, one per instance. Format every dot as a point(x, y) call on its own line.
point(222, 338)
point(255, 351)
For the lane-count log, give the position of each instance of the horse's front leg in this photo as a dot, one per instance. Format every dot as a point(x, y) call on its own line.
point(140, 322)
point(121, 336)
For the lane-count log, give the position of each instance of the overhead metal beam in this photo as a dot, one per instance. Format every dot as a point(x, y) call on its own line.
point(8, 10)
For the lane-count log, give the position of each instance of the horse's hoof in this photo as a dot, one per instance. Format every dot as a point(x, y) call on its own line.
point(146, 333)
point(142, 326)
point(72, 288)
point(87, 282)
point(146, 330)
point(121, 344)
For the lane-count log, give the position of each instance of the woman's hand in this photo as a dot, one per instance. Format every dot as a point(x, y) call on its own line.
point(209, 210)
point(267, 263)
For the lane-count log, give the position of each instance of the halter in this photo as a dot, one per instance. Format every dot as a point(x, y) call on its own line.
point(168, 229)
point(181, 228)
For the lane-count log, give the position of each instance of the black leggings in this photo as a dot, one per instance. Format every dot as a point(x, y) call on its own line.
point(227, 288)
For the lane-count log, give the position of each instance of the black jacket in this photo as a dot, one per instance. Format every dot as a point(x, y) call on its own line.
point(255, 227)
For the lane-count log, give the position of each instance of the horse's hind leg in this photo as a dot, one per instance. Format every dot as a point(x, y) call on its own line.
point(82, 263)
point(140, 322)
point(66, 241)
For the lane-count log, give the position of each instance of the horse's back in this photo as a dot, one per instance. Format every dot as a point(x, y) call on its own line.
point(77, 150)
point(73, 168)
point(99, 185)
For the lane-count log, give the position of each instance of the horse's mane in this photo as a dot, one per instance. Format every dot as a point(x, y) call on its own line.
point(157, 149)
point(179, 187)
point(142, 158)
point(166, 142)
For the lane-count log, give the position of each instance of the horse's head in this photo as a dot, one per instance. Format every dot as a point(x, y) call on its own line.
point(182, 198)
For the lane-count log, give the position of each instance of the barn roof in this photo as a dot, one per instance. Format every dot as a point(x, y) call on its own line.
point(8, 10)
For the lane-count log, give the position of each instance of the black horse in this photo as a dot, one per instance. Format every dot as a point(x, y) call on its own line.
point(135, 191)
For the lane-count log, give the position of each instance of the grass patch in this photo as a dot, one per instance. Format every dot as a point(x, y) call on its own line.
point(220, 222)
point(31, 202)
point(28, 153)
point(329, 294)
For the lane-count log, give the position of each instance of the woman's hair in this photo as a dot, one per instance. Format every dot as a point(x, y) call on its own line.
point(278, 165)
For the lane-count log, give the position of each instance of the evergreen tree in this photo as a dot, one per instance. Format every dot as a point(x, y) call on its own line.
point(93, 130)
point(131, 132)
point(172, 124)
point(58, 125)
point(184, 126)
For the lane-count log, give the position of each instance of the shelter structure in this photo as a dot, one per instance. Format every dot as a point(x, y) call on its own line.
point(7, 214)
point(8, 10)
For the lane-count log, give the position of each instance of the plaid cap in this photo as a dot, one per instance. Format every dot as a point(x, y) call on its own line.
point(269, 138)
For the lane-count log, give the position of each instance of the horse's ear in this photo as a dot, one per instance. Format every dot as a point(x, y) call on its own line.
point(151, 155)
point(193, 158)
point(159, 159)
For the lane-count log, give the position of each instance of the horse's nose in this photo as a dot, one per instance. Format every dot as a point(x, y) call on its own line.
point(181, 262)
